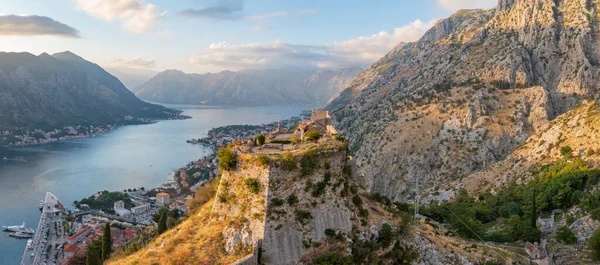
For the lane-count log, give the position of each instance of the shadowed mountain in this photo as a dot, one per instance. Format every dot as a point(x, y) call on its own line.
point(52, 91)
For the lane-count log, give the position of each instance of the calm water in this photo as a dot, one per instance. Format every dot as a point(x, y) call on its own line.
point(129, 157)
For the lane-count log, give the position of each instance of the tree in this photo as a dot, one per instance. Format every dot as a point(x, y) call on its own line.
point(93, 255)
point(260, 139)
point(227, 159)
point(312, 135)
point(595, 241)
point(162, 223)
point(106, 242)
point(533, 209)
point(565, 235)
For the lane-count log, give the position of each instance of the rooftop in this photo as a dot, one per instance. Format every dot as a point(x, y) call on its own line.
point(81, 232)
point(162, 194)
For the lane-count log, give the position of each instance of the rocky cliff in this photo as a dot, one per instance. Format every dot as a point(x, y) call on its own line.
point(299, 208)
point(468, 93)
point(250, 87)
point(52, 91)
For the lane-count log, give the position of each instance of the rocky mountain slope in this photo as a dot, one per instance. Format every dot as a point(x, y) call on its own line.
point(250, 87)
point(468, 93)
point(52, 91)
point(300, 209)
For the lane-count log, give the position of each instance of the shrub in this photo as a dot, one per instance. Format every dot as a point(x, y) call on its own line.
point(263, 160)
point(565, 235)
point(281, 142)
point(302, 216)
point(292, 199)
point(566, 151)
point(277, 202)
point(260, 139)
point(253, 185)
point(227, 159)
point(595, 241)
point(362, 212)
point(330, 232)
point(595, 214)
point(289, 161)
point(223, 198)
point(312, 135)
point(357, 200)
point(308, 163)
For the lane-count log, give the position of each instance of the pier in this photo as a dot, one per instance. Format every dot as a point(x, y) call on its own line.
point(42, 245)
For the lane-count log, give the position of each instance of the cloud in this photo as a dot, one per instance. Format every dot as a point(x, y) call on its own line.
point(221, 10)
point(361, 51)
point(259, 28)
point(282, 14)
point(367, 50)
point(12, 25)
point(137, 16)
point(137, 62)
point(466, 4)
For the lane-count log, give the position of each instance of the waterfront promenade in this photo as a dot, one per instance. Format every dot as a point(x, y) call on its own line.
point(38, 252)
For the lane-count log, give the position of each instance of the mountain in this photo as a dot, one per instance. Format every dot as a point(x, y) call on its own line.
point(249, 87)
point(53, 91)
point(468, 93)
point(132, 78)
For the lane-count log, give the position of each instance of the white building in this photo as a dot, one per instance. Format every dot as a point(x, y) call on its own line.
point(119, 204)
point(163, 198)
point(122, 212)
point(140, 209)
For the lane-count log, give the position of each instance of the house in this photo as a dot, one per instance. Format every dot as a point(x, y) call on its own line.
point(69, 250)
point(163, 198)
point(140, 209)
point(122, 212)
point(119, 204)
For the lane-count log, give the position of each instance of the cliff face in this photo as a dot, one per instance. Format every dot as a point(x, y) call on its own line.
point(467, 94)
point(251, 87)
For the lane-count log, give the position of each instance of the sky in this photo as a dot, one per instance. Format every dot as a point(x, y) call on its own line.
point(199, 36)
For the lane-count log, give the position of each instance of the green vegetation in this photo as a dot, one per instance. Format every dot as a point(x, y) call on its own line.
point(303, 216)
point(595, 241)
point(106, 201)
point(93, 255)
point(106, 242)
point(277, 202)
point(281, 142)
point(292, 199)
point(566, 152)
point(557, 186)
point(308, 163)
point(289, 161)
point(162, 223)
point(253, 185)
point(312, 135)
point(227, 159)
point(333, 259)
point(260, 139)
point(263, 160)
point(565, 235)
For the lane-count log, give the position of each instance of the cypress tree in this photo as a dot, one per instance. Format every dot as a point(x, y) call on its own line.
point(162, 223)
point(93, 255)
point(106, 242)
point(533, 210)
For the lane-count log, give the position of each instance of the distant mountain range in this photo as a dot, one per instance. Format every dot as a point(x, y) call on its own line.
point(52, 91)
point(249, 87)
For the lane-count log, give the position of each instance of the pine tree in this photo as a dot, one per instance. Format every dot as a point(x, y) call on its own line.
point(162, 223)
point(106, 242)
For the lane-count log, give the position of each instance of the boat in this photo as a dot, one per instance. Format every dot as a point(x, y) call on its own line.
point(20, 235)
point(19, 228)
point(42, 205)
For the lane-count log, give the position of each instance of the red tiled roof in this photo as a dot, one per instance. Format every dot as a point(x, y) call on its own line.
point(162, 194)
point(70, 248)
point(81, 232)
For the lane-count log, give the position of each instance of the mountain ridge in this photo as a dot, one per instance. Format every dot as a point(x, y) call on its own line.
point(53, 91)
point(247, 87)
